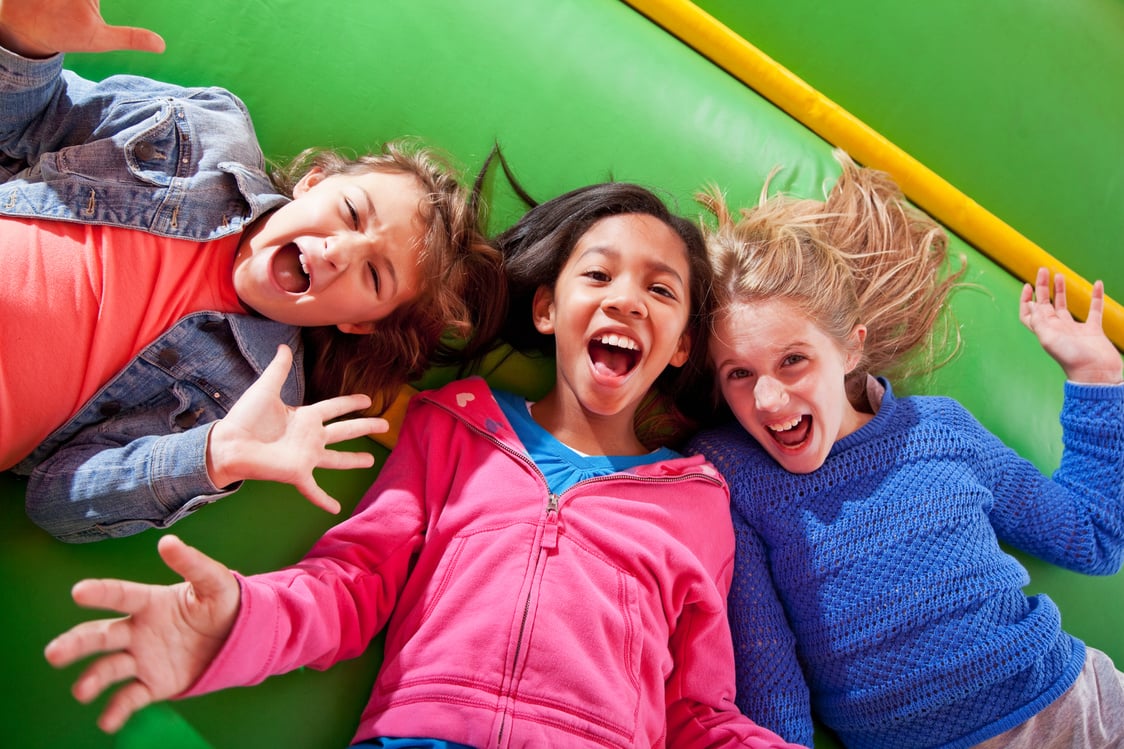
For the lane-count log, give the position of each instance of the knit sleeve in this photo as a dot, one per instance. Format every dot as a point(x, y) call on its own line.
point(770, 684)
point(1074, 519)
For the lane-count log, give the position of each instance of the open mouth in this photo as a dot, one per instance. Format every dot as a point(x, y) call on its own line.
point(792, 433)
point(614, 355)
point(289, 269)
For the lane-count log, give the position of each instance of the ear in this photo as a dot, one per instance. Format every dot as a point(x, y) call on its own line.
point(311, 178)
point(855, 347)
point(357, 328)
point(542, 310)
point(682, 351)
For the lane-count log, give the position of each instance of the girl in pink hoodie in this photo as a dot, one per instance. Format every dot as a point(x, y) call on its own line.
point(544, 578)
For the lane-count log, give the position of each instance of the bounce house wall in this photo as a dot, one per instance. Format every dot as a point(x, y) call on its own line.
point(574, 92)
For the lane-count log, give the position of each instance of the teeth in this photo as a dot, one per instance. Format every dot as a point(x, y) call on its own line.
point(784, 426)
point(619, 341)
point(304, 263)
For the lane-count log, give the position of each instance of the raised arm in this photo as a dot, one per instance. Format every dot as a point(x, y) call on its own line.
point(105, 483)
point(167, 638)
point(41, 28)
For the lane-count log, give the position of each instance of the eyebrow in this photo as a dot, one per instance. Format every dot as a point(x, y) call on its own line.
point(615, 253)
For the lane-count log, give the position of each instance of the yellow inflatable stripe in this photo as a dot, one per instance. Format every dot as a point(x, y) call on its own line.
point(394, 414)
point(972, 222)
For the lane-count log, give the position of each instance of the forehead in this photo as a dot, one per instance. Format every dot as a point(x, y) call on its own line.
point(635, 237)
point(764, 326)
point(394, 195)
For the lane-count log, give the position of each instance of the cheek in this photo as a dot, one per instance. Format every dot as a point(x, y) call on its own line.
point(738, 398)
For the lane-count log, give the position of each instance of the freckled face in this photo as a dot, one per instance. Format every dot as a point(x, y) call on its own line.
point(783, 378)
point(344, 252)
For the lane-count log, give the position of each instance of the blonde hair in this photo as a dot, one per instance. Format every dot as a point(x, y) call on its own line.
point(864, 256)
point(457, 308)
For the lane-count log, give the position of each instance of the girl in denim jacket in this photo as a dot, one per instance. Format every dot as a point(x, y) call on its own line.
point(169, 272)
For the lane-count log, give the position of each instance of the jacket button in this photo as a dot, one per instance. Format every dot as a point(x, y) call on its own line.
point(212, 326)
point(168, 357)
point(144, 151)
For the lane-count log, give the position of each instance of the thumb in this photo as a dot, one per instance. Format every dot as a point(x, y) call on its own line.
point(273, 378)
point(128, 37)
point(207, 576)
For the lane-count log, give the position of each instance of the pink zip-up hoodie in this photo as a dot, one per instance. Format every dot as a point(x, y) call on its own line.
point(515, 617)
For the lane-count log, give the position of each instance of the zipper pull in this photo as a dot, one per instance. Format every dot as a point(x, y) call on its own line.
point(550, 533)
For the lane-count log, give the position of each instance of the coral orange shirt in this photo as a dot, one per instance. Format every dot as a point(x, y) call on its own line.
point(78, 302)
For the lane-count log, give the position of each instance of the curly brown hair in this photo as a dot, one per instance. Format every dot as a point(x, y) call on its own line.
point(455, 312)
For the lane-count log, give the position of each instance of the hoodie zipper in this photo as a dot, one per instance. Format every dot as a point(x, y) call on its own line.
point(549, 539)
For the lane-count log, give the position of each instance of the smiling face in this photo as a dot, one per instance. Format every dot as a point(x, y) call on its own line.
point(783, 378)
point(344, 252)
point(618, 313)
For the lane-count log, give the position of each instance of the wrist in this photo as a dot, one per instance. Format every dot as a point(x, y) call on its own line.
point(23, 47)
point(1094, 376)
point(219, 469)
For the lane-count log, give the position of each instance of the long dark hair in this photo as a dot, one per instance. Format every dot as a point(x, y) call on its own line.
point(537, 247)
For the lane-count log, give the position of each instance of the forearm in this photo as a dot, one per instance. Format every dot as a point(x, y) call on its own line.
point(701, 709)
point(1074, 519)
point(93, 489)
point(27, 89)
point(771, 688)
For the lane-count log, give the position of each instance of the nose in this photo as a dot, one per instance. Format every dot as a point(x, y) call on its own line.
point(342, 252)
point(624, 300)
point(769, 394)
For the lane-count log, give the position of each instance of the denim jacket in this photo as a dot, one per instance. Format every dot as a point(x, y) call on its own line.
point(177, 162)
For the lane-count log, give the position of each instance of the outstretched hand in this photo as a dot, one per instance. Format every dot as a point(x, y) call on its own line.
point(1082, 349)
point(163, 644)
point(263, 438)
point(40, 28)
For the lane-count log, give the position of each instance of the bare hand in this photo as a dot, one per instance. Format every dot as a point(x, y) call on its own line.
point(41, 28)
point(263, 438)
point(169, 635)
point(1082, 349)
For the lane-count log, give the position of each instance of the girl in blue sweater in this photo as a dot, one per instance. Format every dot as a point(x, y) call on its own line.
point(870, 586)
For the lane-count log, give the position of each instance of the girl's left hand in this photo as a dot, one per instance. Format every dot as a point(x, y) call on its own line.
point(264, 438)
point(1082, 349)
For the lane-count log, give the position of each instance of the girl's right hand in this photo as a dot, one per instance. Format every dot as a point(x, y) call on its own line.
point(165, 641)
point(41, 28)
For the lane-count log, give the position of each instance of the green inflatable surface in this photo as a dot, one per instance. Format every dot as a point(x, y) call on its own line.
point(575, 92)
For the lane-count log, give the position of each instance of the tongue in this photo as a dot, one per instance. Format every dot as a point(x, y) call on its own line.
point(796, 435)
point(287, 269)
point(610, 359)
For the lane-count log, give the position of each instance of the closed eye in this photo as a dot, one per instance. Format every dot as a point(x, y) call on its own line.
point(354, 214)
point(664, 291)
point(375, 277)
point(597, 275)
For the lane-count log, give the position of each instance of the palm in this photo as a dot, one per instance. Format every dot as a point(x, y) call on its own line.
point(263, 438)
point(1081, 348)
point(164, 643)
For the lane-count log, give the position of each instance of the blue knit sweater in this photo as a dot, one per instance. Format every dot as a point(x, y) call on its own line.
point(878, 580)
